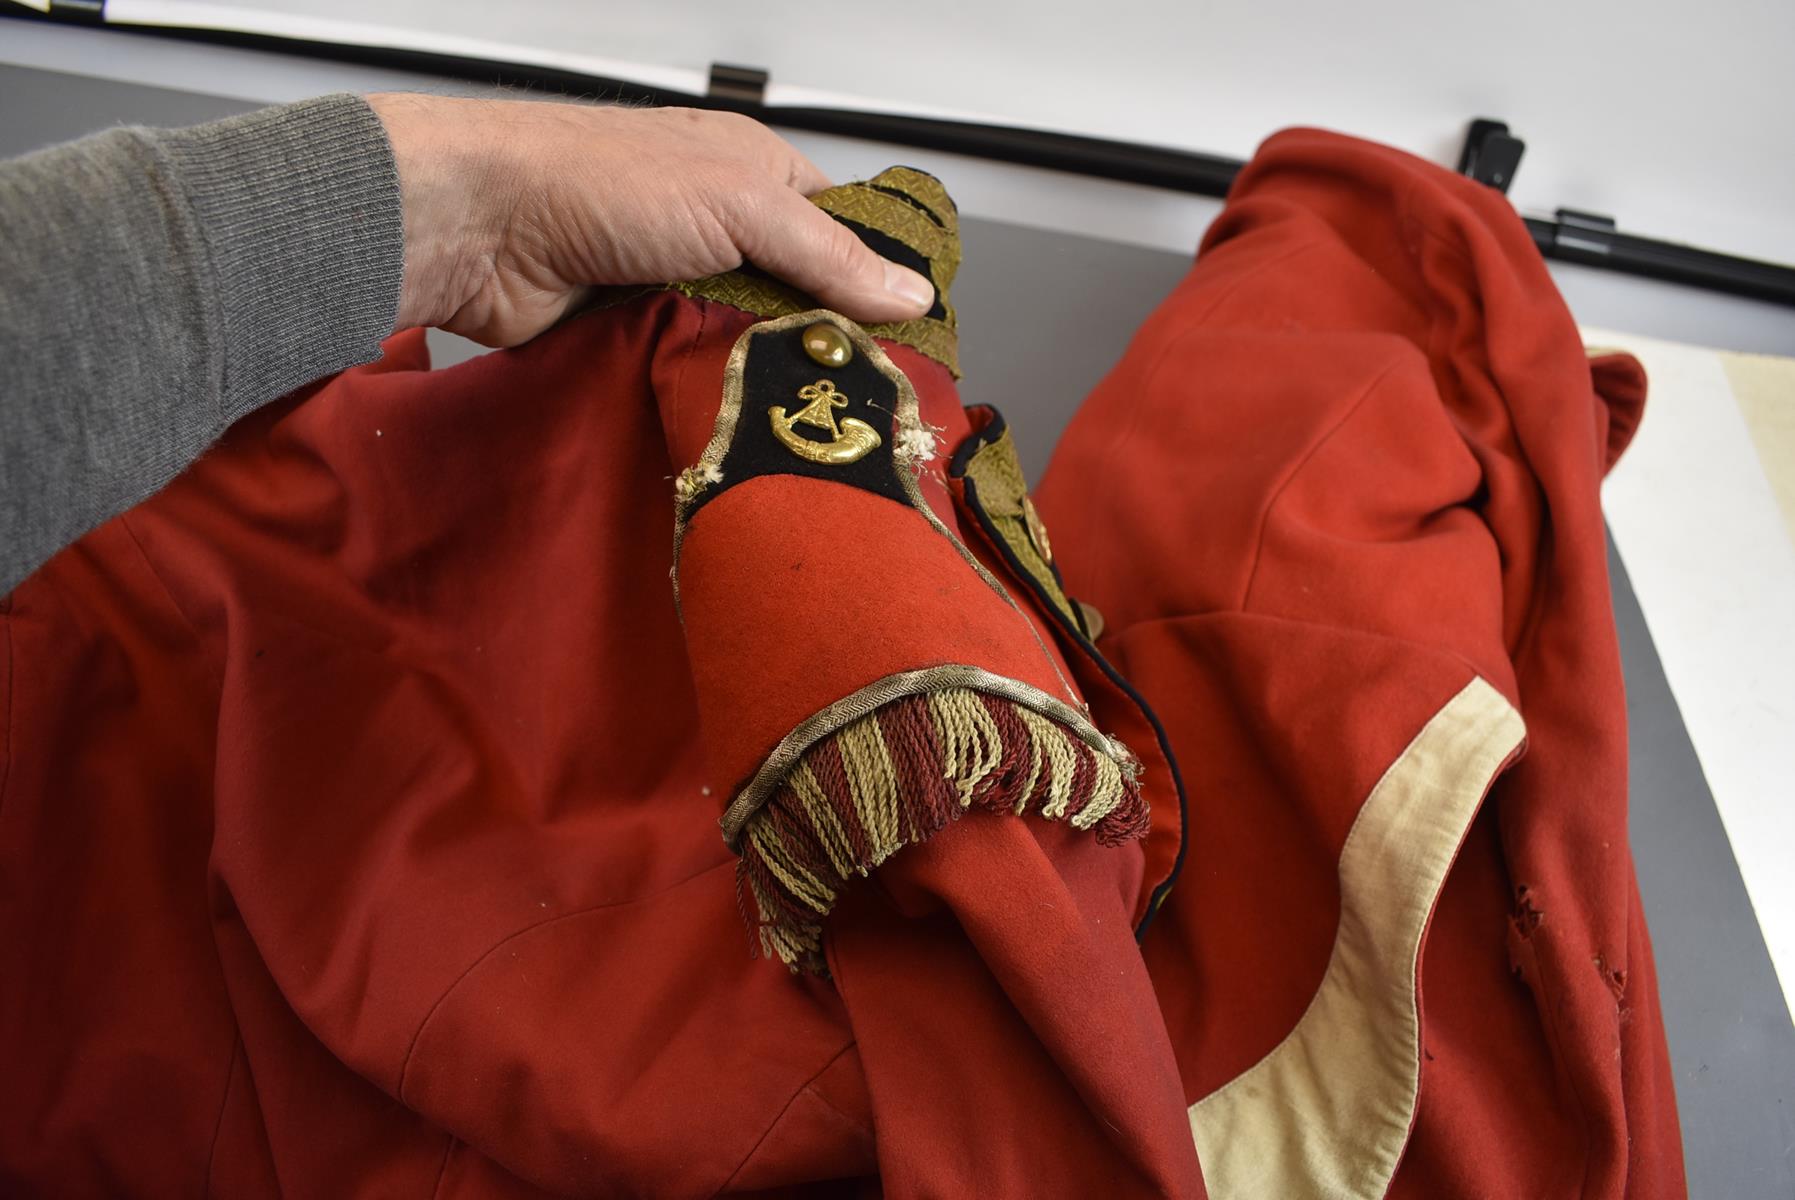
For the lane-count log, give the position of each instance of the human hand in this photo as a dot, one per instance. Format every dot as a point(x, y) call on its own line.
point(515, 209)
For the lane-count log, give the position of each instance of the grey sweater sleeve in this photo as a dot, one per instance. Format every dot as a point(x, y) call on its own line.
point(155, 285)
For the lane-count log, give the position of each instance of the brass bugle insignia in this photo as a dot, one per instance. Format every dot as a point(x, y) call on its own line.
point(850, 439)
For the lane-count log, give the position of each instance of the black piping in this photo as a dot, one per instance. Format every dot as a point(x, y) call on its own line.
point(957, 470)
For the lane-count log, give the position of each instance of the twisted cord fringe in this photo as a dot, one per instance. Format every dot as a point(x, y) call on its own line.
point(894, 778)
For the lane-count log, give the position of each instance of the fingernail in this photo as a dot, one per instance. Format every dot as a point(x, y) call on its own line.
point(908, 285)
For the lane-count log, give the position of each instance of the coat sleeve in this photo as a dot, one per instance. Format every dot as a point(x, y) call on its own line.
point(155, 285)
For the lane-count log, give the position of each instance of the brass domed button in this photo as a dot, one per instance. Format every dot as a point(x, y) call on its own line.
point(828, 345)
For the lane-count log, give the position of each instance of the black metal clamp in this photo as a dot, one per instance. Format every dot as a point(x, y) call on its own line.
point(738, 85)
point(1584, 235)
point(1491, 155)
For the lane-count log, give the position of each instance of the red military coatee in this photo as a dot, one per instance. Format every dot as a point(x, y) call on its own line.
point(358, 824)
point(360, 828)
point(1350, 548)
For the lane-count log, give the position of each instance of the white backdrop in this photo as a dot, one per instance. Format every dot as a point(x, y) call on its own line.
point(1676, 118)
point(1672, 117)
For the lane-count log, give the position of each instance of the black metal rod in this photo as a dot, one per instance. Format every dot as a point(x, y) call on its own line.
point(1103, 158)
point(1667, 261)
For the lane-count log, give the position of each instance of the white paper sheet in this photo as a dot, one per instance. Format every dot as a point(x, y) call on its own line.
point(1699, 529)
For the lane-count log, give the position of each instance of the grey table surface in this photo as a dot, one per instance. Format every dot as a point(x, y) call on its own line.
point(1034, 346)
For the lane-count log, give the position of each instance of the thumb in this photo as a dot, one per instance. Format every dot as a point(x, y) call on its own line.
point(801, 244)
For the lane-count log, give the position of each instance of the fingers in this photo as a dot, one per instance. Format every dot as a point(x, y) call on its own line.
point(781, 159)
point(783, 233)
point(801, 174)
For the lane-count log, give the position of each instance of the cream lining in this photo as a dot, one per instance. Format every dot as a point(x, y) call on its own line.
point(1328, 1112)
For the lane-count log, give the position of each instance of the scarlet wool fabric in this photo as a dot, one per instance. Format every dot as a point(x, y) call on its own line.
point(1350, 465)
point(359, 839)
point(359, 810)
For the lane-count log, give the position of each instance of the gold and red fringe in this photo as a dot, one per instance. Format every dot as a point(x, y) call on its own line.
point(896, 777)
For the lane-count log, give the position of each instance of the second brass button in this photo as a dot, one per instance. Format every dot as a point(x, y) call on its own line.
point(828, 345)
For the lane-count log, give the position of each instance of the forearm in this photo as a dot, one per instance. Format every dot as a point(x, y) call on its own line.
point(157, 285)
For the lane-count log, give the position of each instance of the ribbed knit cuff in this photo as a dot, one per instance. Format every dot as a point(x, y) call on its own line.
point(299, 208)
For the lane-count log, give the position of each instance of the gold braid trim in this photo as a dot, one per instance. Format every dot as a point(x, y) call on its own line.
point(894, 217)
point(770, 298)
point(996, 474)
point(897, 219)
point(863, 204)
point(923, 188)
